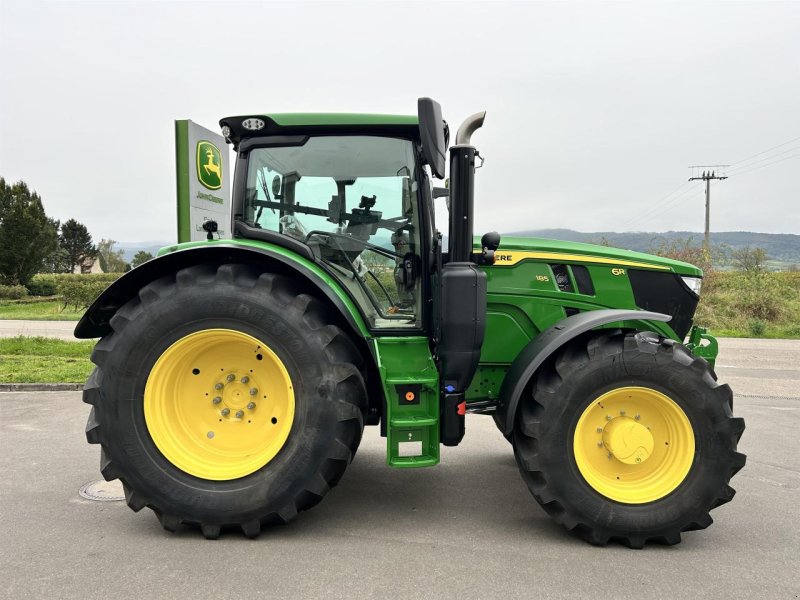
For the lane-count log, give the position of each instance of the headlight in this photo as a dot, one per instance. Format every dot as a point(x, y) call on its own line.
point(693, 283)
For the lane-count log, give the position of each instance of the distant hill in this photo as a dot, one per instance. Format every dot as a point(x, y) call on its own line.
point(783, 247)
point(129, 249)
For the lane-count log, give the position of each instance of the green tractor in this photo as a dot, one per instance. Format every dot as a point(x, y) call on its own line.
point(234, 377)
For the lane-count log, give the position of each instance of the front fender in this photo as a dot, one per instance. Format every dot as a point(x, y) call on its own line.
point(95, 322)
point(544, 345)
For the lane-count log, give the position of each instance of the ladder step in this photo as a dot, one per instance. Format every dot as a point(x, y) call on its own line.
point(410, 379)
point(413, 461)
point(406, 422)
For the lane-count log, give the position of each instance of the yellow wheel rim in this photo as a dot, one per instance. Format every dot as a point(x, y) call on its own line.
point(634, 445)
point(219, 404)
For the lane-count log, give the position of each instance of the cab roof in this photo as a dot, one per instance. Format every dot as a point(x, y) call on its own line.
point(298, 123)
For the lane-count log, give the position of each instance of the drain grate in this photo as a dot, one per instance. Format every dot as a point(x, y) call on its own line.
point(102, 491)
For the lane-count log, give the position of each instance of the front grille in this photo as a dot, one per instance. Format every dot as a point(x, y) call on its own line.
point(665, 293)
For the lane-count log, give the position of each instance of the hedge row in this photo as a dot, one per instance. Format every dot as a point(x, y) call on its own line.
point(48, 284)
point(79, 293)
point(12, 292)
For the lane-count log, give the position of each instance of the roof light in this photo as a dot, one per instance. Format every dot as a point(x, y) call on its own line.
point(226, 131)
point(253, 124)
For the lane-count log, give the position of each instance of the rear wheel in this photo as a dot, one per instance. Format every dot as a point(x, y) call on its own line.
point(628, 437)
point(225, 397)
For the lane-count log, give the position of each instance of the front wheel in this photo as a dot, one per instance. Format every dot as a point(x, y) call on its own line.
point(628, 437)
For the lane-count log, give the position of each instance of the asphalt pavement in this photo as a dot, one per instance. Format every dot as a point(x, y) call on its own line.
point(62, 330)
point(465, 529)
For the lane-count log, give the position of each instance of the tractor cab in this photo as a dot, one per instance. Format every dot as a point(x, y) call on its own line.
point(353, 200)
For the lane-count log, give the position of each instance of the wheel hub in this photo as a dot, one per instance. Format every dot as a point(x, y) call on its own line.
point(219, 404)
point(628, 441)
point(236, 392)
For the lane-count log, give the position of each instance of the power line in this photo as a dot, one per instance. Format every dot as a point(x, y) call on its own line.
point(647, 212)
point(766, 165)
point(755, 162)
point(667, 206)
point(765, 151)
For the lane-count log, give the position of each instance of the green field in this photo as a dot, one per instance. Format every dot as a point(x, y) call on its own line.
point(763, 305)
point(44, 360)
point(38, 310)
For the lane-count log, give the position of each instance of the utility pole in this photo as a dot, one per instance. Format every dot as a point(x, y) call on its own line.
point(707, 176)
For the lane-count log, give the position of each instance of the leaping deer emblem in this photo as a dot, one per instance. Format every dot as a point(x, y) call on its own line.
point(211, 166)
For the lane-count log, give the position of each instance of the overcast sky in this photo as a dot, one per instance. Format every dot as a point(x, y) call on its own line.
point(594, 110)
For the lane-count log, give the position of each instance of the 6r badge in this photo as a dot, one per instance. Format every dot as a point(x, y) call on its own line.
point(209, 165)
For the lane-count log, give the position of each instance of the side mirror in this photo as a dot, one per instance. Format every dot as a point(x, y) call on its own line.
point(276, 186)
point(490, 242)
point(431, 132)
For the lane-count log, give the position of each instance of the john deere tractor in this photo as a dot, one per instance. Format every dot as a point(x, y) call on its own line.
point(234, 377)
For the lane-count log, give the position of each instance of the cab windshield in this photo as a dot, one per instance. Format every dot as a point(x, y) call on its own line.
point(352, 199)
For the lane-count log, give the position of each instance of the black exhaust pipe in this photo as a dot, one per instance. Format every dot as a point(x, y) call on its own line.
point(462, 189)
point(462, 289)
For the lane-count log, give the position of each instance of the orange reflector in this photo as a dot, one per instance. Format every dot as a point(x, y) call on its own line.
point(410, 396)
point(462, 408)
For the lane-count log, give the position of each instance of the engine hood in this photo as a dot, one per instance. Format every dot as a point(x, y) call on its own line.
point(593, 251)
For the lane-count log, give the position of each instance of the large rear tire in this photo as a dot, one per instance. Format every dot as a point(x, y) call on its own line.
point(225, 397)
point(628, 437)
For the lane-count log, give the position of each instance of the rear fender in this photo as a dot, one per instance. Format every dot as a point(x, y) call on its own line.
point(544, 345)
point(96, 321)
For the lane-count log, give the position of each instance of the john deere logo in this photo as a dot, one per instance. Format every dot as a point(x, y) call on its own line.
point(209, 165)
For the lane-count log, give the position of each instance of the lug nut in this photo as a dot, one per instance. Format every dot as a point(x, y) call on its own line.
point(253, 391)
point(217, 400)
point(219, 386)
point(239, 414)
point(637, 417)
point(230, 377)
point(245, 379)
point(608, 417)
point(251, 405)
point(599, 444)
point(226, 412)
point(622, 412)
point(599, 430)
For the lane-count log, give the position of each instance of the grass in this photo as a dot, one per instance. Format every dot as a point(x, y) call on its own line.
point(44, 360)
point(39, 310)
point(764, 305)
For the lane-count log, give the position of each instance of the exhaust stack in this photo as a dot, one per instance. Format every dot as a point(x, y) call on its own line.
point(462, 189)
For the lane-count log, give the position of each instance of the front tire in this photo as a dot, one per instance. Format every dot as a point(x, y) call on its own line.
point(225, 397)
point(628, 437)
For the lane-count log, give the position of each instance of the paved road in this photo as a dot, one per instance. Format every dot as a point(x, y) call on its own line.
point(53, 329)
point(466, 529)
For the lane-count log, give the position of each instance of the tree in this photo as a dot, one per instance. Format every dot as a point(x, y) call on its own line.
point(140, 258)
point(57, 262)
point(27, 235)
point(76, 241)
point(751, 261)
point(111, 261)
